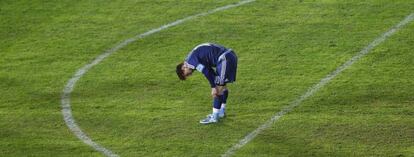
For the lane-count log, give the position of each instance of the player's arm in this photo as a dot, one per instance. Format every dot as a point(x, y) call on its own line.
point(211, 76)
point(208, 73)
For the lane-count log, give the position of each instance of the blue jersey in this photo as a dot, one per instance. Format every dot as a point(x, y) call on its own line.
point(206, 56)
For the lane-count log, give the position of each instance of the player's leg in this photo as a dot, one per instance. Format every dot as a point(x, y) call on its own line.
point(226, 70)
point(223, 103)
point(222, 78)
point(214, 116)
point(229, 77)
point(217, 100)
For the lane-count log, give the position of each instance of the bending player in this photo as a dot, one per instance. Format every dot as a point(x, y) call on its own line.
point(204, 58)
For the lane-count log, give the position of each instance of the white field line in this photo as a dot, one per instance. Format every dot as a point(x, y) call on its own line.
point(318, 86)
point(65, 99)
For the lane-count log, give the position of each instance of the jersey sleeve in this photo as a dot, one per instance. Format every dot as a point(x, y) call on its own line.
point(192, 61)
point(209, 74)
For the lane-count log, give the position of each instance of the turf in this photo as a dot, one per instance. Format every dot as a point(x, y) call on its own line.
point(133, 104)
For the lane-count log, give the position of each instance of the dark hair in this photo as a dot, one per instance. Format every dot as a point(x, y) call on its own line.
point(180, 72)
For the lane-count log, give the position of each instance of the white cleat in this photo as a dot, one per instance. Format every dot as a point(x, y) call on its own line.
point(222, 115)
point(209, 119)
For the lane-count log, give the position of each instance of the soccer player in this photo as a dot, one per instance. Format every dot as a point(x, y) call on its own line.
point(205, 58)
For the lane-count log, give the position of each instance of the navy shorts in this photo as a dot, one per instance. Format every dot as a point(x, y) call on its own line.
point(226, 68)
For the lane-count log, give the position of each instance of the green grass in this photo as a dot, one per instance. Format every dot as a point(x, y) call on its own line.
point(133, 104)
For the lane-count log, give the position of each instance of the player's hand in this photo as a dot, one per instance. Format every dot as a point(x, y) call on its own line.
point(214, 92)
point(220, 90)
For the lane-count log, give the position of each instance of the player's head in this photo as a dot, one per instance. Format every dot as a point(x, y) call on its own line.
point(183, 71)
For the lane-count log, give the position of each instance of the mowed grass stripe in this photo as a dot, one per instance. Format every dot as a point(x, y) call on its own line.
point(281, 45)
point(65, 100)
point(318, 86)
point(44, 43)
point(365, 111)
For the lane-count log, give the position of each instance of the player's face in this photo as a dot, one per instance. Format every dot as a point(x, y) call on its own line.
point(187, 71)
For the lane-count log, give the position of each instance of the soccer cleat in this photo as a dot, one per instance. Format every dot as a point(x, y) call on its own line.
point(209, 119)
point(222, 113)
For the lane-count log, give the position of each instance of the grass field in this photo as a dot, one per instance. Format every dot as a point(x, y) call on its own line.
point(133, 104)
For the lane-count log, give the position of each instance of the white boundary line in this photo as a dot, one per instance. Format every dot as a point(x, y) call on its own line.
point(65, 99)
point(318, 86)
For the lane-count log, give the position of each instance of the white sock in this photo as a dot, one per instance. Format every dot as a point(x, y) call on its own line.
point(223, 107)
point(216, 113)
point(216, 110)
